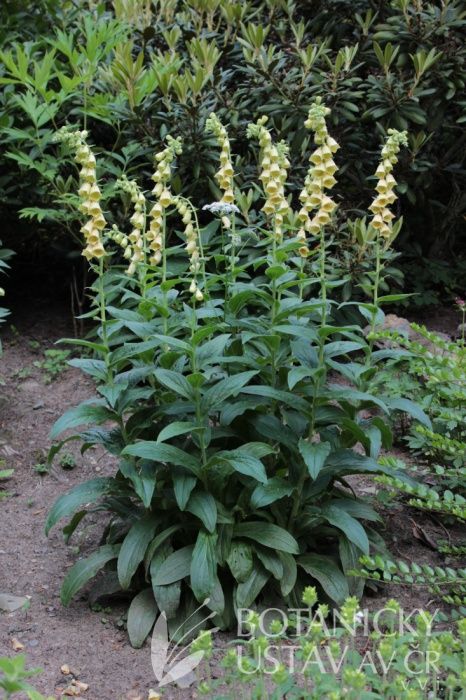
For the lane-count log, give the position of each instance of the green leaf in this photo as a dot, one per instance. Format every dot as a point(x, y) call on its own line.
point(157, 542)
point(92, 411)
point(166, 597)
point(175, 567)
point(203, 506)
point(328, 574)
point(393, 297)
point(97, 347)
point(356, 508)
point(290, 573)
point(349, 556)
point(85, 569)
point(141, 617)
point(244, 464)
point(224, 389)
point(341, 347)
point(247, 592)
point(267, 534)
point(351, 527)
point(240, 561)
point(183, 486)
point(314, 455)
point(230, 411)
point(83, 493)
point(175, 382)
point(73, 524)
point(160, 452)
point(270, 561)
point(209, 353)
point(204, 565)
point(217, 599)
point(134, 547)
point(176, 428)
point(143, 479)
point(285, 397)
point(410, 407)
point(270, 427)
point(265, 494)
point(94, 368)
point(297, 374)
point(351, 395)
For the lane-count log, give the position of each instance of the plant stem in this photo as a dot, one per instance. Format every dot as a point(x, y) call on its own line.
point(321, 340)
point(375, 298)
point(102, 309)
point(164, 270)
point(320, 375)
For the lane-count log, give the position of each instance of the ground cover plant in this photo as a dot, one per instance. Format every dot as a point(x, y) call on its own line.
point(434, 371)
point(14, 678)
point(411, 663)
point(212, 362)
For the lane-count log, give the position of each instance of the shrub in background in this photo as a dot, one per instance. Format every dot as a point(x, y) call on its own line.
point(132, 73)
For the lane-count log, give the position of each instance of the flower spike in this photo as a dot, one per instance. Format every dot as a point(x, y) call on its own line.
point(320, 177)
point(89, 191)
point(383, 217)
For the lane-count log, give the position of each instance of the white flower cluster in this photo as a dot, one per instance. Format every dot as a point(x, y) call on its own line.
point(222, 208)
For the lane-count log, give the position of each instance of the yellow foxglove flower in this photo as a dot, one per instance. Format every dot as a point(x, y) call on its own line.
point(138, 222)
point(192, 244)
point(225, 174)
point(274, 165)
point(383, 217)
point(320, 177)
point(89, 191)
point(161, 177)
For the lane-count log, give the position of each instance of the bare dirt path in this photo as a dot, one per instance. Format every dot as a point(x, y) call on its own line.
point(32, 565)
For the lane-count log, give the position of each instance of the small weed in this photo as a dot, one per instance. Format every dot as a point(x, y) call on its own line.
point(4, 474)
point(67, 461)
point(23, 373)
point(53, 365)
point(41, 468)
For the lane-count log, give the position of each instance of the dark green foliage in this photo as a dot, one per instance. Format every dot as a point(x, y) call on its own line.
point(131, 79)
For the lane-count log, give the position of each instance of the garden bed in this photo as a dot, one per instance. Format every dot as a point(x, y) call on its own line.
point(91, 643)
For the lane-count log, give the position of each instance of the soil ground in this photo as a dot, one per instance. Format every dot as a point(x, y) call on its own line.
point(91, 643)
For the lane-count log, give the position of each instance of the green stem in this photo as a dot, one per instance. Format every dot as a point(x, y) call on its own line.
point(321, 374)
point(164, 271)
point(102, 309)
point(232, 250)
point(301, 279)
point(375, 298)
point(197, 401)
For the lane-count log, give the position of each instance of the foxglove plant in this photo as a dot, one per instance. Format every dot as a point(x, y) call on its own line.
point(233, 448)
